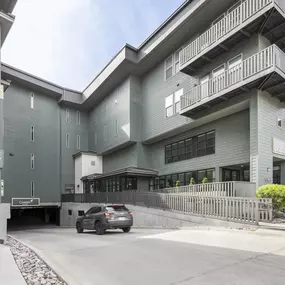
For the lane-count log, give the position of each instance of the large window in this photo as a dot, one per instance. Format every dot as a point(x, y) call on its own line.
point(67, 140)
point(32, 189)
point(184, 178)
point(78, 142)
point(200, 145)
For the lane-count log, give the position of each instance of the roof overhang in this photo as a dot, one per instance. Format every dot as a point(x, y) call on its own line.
point(130, 171)
point(6, 22)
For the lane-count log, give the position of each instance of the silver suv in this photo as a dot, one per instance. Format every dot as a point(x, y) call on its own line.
point(103, 217)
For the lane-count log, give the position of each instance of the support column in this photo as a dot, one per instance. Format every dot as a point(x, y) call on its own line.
point(282, 172)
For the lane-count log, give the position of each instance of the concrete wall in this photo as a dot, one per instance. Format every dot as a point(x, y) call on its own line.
point(147, 217)
point(4, 215)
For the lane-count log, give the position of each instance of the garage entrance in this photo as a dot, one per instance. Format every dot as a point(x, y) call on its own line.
point(33, 216)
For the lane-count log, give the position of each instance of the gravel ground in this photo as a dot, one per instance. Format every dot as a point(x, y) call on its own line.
point(33, 269)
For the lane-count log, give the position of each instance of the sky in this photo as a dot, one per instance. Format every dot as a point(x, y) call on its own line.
point(68, 42)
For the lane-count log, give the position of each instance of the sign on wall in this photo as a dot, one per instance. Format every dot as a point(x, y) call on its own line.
point(278, 146)
point(26, 202)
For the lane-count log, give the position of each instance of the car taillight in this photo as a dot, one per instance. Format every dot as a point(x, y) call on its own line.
point(131, 213)
point(108, 214)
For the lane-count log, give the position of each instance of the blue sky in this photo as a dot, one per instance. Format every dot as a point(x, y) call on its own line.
point(69, 41)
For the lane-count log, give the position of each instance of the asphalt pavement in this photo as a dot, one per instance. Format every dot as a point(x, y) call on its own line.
point(193, 256)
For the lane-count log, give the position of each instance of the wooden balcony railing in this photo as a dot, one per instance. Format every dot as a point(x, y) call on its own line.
point(263, 60)
point(232, 20)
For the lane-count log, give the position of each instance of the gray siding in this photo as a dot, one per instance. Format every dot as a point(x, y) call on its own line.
point(269, 110)
point(232, 146)
point(116, 106)
point(67, 161)
point(18, 117)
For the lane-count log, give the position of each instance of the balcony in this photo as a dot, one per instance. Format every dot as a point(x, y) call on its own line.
point(264, 70)
point(251, 16)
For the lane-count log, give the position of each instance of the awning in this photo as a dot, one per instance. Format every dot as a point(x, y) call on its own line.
point(131, 171)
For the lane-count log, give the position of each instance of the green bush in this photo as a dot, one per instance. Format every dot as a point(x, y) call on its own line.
point(192, 181)
point(177, 183)
point(274, 191)
point(205, 180)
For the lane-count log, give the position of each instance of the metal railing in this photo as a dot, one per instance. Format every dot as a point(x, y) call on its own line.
point(251, 66)
point(215, 189)
point(246, 210)
point(222, 28)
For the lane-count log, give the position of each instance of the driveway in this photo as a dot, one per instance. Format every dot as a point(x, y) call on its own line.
point(191, 256)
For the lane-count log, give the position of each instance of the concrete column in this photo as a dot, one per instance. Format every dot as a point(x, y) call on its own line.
point(218, 173)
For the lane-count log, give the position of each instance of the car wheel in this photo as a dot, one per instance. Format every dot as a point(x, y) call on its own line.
point(79, 228)
point(126, 230)
point(98, 228)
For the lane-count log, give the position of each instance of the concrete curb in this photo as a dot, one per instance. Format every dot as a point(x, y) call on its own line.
point(49, 263)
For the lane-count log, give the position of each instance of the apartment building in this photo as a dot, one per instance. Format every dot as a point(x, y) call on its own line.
point(202, 97)
point(6, 22)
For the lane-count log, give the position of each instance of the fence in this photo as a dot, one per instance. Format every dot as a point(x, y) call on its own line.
point(246, 210)
point(232, 20)
point(220, 189)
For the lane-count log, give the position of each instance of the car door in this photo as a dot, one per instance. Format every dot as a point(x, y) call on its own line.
point(95, 216)
point(87, 219)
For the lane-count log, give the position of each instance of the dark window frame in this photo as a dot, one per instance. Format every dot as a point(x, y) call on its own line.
point(191, 147)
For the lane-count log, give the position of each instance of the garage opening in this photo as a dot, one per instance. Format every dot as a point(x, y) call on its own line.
point(33, 217)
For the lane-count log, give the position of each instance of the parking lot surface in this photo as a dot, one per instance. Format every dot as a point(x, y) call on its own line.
point(162, 257)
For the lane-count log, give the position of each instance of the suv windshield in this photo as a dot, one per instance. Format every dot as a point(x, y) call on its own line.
point(117, 208)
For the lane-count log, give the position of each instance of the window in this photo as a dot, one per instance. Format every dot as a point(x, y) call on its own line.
point(70, 212)
point(32, 100)
point(80, 213)
point(32, 133)
point(279, 123)
point(201, 147)
point(169, 67)
point(67, 115)
point(197, 146)
point(32, 189)
point(105, 133)
point(116, 127)
point(93, 163)
point(172, 64)
point(177, 96)
point(169, 105)
point(78, 142)
point(32, 161)
point(78, 118)
point(67, 140)
point(210, 143)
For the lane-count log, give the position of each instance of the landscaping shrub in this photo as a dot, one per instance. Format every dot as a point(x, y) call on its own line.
point(274, 191)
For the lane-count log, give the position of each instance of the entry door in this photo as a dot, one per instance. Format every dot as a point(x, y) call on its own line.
point(231, 175)
point(218, 80)
point(204, 86)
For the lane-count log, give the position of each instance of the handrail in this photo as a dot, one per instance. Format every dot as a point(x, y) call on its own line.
point(247, 68)
point(232, 20)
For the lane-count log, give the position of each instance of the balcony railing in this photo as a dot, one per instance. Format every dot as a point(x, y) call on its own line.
point(235, 18)
point(251, 66)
